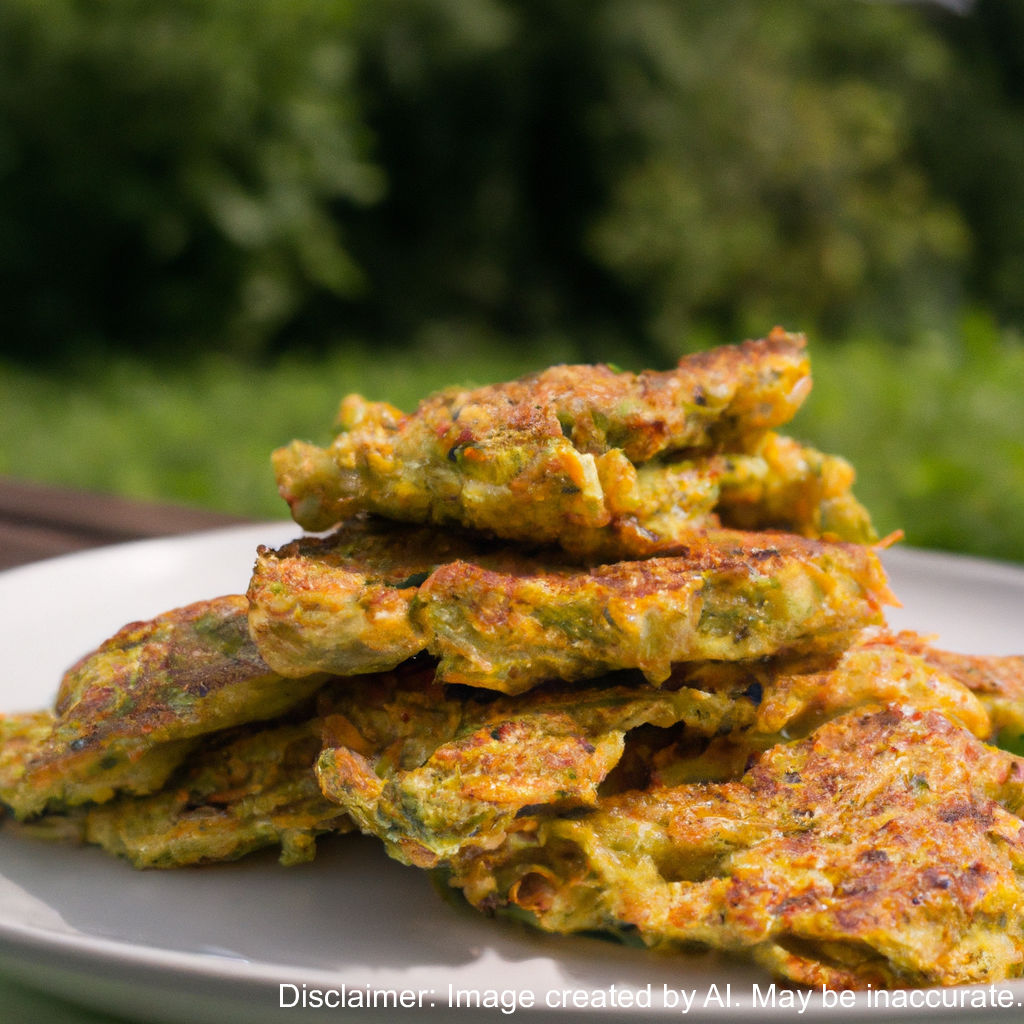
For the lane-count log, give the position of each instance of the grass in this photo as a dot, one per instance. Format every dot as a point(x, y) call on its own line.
point(935, 429)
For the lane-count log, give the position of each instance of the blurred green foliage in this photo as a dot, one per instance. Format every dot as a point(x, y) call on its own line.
point(935, 431)
point(168, 172)
point(971, 137)
point(211, 175)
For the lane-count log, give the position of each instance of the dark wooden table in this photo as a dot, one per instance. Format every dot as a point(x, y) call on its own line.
point(38, 520)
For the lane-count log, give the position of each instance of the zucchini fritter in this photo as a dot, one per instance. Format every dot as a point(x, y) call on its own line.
point(659, 507)
point(21, 737)
point(343, 602)
point(733, 596)
point(798, 692)
point(885, 849)
point(782, 485)
point(363, 600)
point(430, 770)
point(129, 712)
point(236, 794)
point(566, 456)
point(996, 680)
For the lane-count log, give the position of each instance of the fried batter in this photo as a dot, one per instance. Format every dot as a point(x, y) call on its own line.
point(885, 849)
point(432, 771)
point(782, 485)
point(21, 737)
point(549, 458)
point(798, 693)
point(733, 596)
point(343, 602)
point(129, 712)
point(996, 680)
point(237, 794)
point(503, 620)
point(429, 771)
point(659, 506)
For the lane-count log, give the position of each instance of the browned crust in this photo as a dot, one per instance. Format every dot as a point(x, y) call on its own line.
point(883, 850)
point(508, 621)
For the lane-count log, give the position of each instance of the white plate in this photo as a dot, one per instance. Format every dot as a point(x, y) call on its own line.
point(221, 944)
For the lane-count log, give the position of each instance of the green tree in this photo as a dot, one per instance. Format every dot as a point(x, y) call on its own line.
point(647, 169)
point(169, 172)
point(774, 177)
point(971, 134)
point(637, 174)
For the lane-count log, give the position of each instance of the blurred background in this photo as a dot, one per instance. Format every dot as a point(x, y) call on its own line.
point(216, 218)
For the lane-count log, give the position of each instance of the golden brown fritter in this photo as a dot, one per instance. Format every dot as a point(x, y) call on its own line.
point(795, 694)
point(237, 793)
point(343, 602)
point(503, 620)
point(798, 692)
point(983, 693)
point(885, 849)
point(552, 457)
point(996, 680)
point(733, 596)
point(780, 484)
point(130, 711)
point(659, 506)
point(433, 770)
point(430, 770)
point(21, 737)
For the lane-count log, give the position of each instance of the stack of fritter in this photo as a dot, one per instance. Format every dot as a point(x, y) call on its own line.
point(606, 651)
